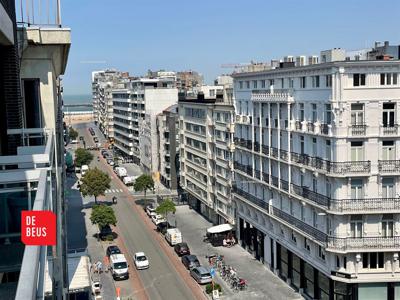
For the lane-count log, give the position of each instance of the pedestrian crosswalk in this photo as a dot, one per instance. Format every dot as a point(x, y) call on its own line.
point(114, 191)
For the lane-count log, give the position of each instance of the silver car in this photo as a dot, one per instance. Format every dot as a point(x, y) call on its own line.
point(201, 275)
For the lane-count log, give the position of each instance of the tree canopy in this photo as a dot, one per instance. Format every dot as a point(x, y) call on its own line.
point(82, 157)
point(165, 207)
point(69, 160)
point(95, 183)
point(103, 215)
point(144, 183)
point(73, 134)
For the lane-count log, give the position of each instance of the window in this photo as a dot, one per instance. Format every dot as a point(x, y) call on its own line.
point(357, 151)
point(373, 260)
point(315, 219)
point(315, 81)
point(321, 253)
point(291, 82)
point(248, 84)
point(302, 144)
point(293, 237)
point(388, 114)
point(388, 78)
point(314, 112)
point(388, 150)
point(314, 147)
point(301, 111)
point(302, 213)
point(240, 84)
point(357, 189)
point(356, 226)
point(328, 149)
point(254, 84)
point(328, 80)
point(263, 84)
point(337, 261)
point(303, 82)
point(271, 82)
point(358, 79)
point(328, 114)
point(291, 207)
point(387, 225)
point(315, 184)
point(388, 188)
point(307, 244)
point(328, 188)
point(357, 114)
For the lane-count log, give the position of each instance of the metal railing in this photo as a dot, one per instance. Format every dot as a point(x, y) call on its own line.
point(365, 204)
point(389, 166)
point(265, 149)
point(324, 129)
point(39, 13)
point(257, 201)
point(390, 130)
point(310, 195)
point(357, 129)
point(362, 243)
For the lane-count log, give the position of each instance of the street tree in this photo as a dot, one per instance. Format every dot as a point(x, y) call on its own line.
point(143, 184)
point(103, 215)
point(95, 183)
point(73, 134)
point(82, 157)
point(165, 207)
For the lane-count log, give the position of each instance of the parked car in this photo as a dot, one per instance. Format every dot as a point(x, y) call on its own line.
point(104, 232)
point(112, 250)
point(141, 261)
point(119, 266)
point(182, 249)
point(150, 210)
point(190, 261)
point(163, 226)
point(95, 139)
point(110, 162)
point(201, 275)
point(156, 219)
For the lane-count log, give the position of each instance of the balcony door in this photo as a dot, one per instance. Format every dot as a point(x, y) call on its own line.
point(387, 225)
point(356, 226)
point(388, 114)
point(388, 150)
point(357, 189)
point(357, 114)
point(357, 151)
point(388, 188)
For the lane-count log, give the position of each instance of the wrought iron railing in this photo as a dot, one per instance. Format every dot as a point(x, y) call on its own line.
point(265, 149)
point(310, 195)
point(390, 130)
point(364, 204)
point(358, 129)
point(389, 166)
point(362, 243)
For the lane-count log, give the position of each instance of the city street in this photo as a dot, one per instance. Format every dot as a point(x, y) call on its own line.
point(161, 280)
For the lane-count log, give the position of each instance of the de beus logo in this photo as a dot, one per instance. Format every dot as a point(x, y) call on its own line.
point(38, 228)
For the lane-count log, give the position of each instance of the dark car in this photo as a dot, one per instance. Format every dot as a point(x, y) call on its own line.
point(95, 139)
point(81, 138)
point(104, 232)
point(113, 250)
point(182, 249)
point(190, 261)
point(163, 226)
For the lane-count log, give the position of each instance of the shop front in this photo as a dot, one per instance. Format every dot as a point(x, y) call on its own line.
point(252, 239)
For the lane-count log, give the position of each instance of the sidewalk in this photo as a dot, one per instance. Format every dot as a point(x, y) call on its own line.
point(262, 283)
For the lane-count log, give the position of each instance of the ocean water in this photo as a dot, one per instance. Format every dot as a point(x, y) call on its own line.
point(77, 99)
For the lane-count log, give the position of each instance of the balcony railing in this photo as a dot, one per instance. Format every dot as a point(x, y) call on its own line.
point(298, 125)
point(257, 174)
point(358, 130)
point(249, 170)
point(275, 181)
point(365, 204)
point(266, 177)
point(281, 95)
point(349, 167)
point(265, 149)
point(362, 243)
point(310, 195)
point(274, 152)
point(324, 129)
point(284, 185)
point(257, 201)
point(239, 166)
point(310, 127)
point(389, 166)
point(284, 155)
point(256, 146)
point(302, 226)
point(389, 130)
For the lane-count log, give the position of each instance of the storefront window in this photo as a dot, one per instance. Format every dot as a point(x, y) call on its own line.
point(309, 274)
point(284, 262)
point(397, 291)
point(341, 291)
point(296, 271)
point(372, 291)
point(323, 286)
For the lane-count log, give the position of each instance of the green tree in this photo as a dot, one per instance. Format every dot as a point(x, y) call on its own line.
point(143, 184)
point(73, 134)
point(103, 215)
point(82, 157)
point(167, 206)
point(69, 160)
point(95, 183)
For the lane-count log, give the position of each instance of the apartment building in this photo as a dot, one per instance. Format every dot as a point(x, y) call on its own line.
point(206, 152)
point(168, 145)
point(317, 175)
point(32, 59)
point(103, 83)
point(134, 118)
point(187, 80)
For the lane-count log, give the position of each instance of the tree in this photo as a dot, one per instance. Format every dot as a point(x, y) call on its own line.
point(82, 157)
point(73, 134)
point(69, 162)
point(95, 183)
point(103, 215)
point(143, 184)
point(166, 207)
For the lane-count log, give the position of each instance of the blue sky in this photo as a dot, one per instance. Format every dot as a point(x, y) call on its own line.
point(134, 35)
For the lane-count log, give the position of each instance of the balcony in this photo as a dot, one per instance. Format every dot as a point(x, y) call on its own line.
point(249, 170)
point(239, 166)
point(389, 166)
point(265, 149)
point(358, 130)
point(370, 205)
point(284, 155)
point(310, 195)
point(300, 225)
point(249, 144)
point(284, 185)
point(275, 181)
point(255, 200)
point(346, 167)
point(256, 146)
point(389, 130)
point(281, 95)
point(266, 177)
point(257, 174)
point(274, 152)
point(310, 127)
point(363, 243)
point(324, 129)
point(298, 125)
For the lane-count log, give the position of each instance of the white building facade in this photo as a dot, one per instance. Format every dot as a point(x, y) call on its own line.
point(206, 153)
point(317, 176)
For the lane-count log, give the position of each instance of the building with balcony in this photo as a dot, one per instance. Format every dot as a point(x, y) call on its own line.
point(316, 174)
point(168, 145)
point(206, 152)
point(134, 117)
point(32, 59)
point(103, 82)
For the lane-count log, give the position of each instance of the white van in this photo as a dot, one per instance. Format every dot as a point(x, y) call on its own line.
point(121, 172)
point(84, 169)
point(119, 266)
point(173, 236)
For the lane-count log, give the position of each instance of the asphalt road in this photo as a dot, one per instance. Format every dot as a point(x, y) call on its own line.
point(161, 280)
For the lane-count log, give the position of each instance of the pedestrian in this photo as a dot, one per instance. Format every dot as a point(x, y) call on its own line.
point(99, 267)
